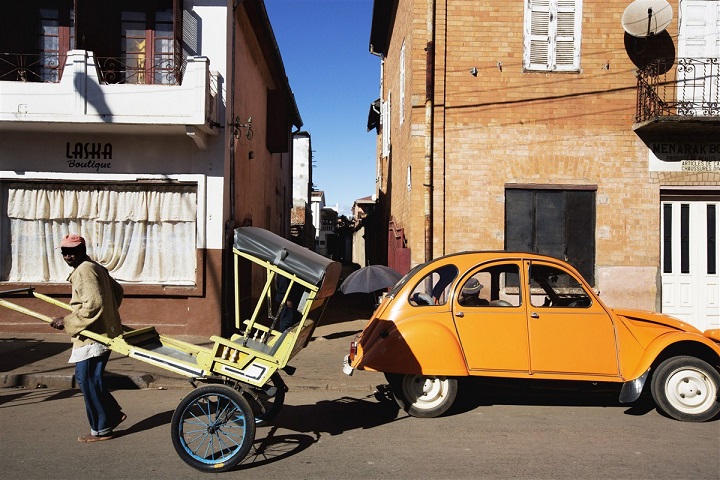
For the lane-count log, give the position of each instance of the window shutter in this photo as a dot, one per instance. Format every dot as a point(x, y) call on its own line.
point(179, 58)
point(386, 127)
point(567, 40)
point(537, 35)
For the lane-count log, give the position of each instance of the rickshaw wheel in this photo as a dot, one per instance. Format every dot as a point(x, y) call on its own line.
point(213, 428)
point(270, 399)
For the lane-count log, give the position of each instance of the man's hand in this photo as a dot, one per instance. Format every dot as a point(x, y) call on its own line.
point(58, 323)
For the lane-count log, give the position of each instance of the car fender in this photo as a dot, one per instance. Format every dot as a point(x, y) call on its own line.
point(413, 346)
point(689, 342)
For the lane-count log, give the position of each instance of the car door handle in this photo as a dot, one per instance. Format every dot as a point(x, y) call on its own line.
point(460, 314)
point(534, 315)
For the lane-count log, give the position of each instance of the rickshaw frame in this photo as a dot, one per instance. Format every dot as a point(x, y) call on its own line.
point(250, 358)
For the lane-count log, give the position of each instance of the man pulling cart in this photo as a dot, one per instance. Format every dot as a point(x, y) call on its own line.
point(213, 427)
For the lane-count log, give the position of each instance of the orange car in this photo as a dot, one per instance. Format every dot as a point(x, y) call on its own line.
point(528, 316)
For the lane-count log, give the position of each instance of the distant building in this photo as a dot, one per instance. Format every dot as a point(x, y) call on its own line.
point(367, 240)
point(362, 207)
point(302, 230)
point(325, 221)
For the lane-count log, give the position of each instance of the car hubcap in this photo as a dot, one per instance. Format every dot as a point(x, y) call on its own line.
point(690, 391)
point(427, 392)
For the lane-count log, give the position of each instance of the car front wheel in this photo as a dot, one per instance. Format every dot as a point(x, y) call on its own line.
point(686, 388)
point(423, 396)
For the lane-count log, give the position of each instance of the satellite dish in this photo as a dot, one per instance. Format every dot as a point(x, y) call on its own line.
point(645, 18)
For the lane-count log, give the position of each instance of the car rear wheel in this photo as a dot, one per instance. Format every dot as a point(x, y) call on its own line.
point(423, 396)
point(686, 388)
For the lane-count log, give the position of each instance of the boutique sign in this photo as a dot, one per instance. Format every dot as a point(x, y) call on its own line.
point(89, 156)
point(684, 157)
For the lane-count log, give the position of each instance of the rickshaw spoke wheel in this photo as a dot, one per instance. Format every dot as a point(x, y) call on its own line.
point(213, 428)
point(269, 401)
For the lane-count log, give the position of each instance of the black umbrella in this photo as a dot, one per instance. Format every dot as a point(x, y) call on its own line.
point(370, 279)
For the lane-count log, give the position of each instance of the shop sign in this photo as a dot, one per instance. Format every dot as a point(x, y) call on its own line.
point(88, 156)
point(684, 157)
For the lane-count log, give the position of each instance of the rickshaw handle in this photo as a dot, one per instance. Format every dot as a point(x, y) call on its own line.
point(26, 311)
point(32, 313)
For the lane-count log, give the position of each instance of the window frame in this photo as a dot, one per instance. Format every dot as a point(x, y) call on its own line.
point(558, 24)
point(578, 227)
point(93, 26)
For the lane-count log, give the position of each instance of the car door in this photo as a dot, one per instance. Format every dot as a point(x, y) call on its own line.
point(490, 318)
point(570, 334)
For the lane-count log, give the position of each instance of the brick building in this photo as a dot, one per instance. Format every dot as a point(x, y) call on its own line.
point(544, 126)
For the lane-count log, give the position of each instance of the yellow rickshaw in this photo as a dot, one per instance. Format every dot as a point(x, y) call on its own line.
point(213, 427)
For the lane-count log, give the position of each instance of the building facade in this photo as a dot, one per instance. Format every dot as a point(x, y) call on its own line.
point(303, 230)
point(543, 126)
point(151, 128)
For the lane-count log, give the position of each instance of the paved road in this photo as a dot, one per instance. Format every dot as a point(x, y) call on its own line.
point(334, 434)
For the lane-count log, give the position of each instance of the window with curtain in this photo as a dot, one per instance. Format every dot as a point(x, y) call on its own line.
point(142, 234)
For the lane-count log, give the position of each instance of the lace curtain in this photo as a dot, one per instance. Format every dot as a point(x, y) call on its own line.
point(140, 233)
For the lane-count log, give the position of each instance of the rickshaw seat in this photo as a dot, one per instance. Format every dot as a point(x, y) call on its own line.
point(264, 347)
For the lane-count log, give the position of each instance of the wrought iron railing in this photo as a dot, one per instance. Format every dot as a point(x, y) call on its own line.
point(44, 67)
point(137, 70)
point(21, 67)
point(690, 87)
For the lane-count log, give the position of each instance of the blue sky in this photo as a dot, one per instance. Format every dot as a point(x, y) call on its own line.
point(324, 46)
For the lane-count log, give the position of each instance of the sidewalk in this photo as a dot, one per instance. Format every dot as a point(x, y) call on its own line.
point(41, 360)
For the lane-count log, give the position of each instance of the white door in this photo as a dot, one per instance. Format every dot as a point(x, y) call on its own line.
point(690, 260)
point(698, 45)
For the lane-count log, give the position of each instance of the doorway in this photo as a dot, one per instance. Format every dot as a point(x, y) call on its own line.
point(689, 259)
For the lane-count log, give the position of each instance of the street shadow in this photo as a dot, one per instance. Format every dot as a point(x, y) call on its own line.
point(274, 448)
point(154, 421)
point(310, 422)
point(27, 396)
point(480, 392)
point(336, 335)
point(18, 352)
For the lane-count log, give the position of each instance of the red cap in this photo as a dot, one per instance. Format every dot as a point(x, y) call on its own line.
point(72, 240)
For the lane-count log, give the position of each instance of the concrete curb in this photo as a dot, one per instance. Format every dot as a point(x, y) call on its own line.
point(147, 380)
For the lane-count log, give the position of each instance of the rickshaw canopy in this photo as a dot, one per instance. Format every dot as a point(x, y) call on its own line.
point(289, 257)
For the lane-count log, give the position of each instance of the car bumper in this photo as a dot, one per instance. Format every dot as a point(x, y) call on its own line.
point(347, 368)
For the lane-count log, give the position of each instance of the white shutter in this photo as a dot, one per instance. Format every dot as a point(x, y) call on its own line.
point(699, 40)
point(552, 35)
point(699, 29)
point(402, 83)
point(537, 35)
point(567, 40)
point(385, 118)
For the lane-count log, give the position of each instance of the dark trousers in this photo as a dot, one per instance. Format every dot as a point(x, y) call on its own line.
point(103, 411)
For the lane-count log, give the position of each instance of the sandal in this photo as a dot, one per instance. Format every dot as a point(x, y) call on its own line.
point(89, 438)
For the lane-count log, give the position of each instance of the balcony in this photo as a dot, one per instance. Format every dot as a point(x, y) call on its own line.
point(89, 94)
point(682, 98)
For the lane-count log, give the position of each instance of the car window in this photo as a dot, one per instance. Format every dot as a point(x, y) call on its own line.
point(553, 287)
point(434, 287)
point(492, 286)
